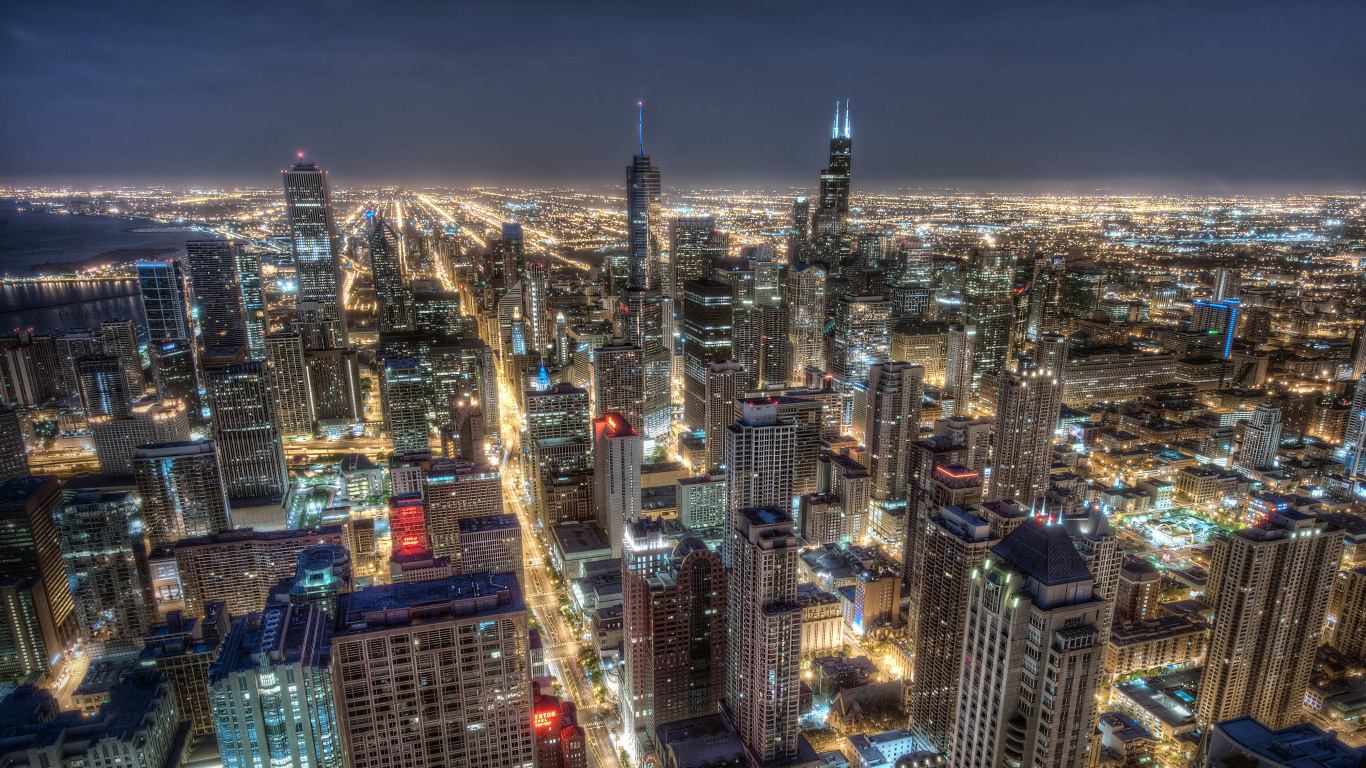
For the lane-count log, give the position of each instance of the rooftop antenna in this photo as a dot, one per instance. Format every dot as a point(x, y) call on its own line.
point(835, 134)
point(640, 106)
point(846, 118)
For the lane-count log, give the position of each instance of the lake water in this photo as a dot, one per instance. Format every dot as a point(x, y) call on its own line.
point(28, 238)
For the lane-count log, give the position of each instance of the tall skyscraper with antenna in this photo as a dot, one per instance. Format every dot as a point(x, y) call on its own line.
point(313, 232)
point(829, 223)
point(641, 307)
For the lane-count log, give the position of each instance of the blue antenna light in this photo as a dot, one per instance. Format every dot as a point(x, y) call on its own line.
point(846, 118)
point(835, 134)
point(640, 105)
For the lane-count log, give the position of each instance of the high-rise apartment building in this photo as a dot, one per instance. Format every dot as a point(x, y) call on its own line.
point(313, 234)
point(246, 429)
point(1026, 416)
point(116, 439)
point(1218, 319)
point(290, 383)
point(891, 423)
point(182, 489)
point(760, 459)
point(217, 292)
point(492, 543)
point(239, 567)
point(619, 381)
point(1032, 655)
point(804, 297)
point(165, 300)
point(271, 690)
point(1228, 284)
point(467, 631)
point(1261, 439)
point(673, 593)
point(707, 330)
point(956, 543)
point(559, 412)
point(1269, 586)
point(764, 623)
point(456, 490)
point(617, 456)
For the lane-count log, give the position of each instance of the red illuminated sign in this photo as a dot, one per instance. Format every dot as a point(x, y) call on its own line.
point(544, 719)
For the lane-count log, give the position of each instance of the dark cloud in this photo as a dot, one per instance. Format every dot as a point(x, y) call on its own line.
point(1207, 94)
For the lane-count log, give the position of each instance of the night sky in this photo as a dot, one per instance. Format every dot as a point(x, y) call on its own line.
point(1182, 96)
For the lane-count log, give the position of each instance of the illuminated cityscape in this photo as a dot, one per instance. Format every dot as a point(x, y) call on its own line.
point(637, 471)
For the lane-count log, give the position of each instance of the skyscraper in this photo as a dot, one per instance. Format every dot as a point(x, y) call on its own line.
point(313, 232)
point(182, 490)
point(804, 297)
point(833, 202)
point(1261, 439)
point(724, 385)
point(1228, 284)
point(619, 381)
point(334, 378)
point(116, 439)
point(485, 718)
point(617, 456)
point(405, 406)
point(535, 320)
point(120, 340)
point(1354, 437)
point(238, 568)
point(165, 300)
point(1026, 415)
point(760, 458)
point(253, 302)
point(100, 534)
point(392, 293)
point(644, 222)
point(271, 690)
point(673, 592)
point(707, 328)
point(861, 337)
point(987, 305)
point(1033, 619)
point(642, 320)
point(1269, 586)
point(956, 542)
point(1218, 319)
point(694, 246)
point(763, 648)
point(217, 291)
point(246, 429)
point(290, 381)
point(456, 490)
point(104, 386)
point(29, 549)
point(891, 423)
point(175, 371)
point(13, 453)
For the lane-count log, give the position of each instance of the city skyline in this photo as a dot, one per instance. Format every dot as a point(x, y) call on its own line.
point(1051, 98)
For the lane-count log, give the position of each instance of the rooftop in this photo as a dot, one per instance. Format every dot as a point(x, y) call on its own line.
point(1045, 552)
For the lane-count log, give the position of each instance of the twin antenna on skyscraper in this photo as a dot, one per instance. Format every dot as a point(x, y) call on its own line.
point(835, 133)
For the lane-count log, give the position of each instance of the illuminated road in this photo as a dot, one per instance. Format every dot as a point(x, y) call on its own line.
point(562, 644)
